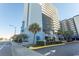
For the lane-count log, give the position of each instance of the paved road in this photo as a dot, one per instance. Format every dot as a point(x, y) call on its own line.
point(14, 49)
point(5, 49)
point(66, 50)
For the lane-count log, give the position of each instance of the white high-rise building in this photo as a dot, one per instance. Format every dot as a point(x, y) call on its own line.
point(71, 24)
point(44, 15)
point(50, 18)
point(76, 22)
point(33, 14)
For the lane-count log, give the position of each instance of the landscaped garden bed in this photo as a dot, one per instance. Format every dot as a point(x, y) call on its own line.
point(42, 43)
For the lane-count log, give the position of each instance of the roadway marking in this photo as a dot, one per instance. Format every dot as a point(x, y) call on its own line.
point(50, 52)
point(2, 46)
point(47, 53)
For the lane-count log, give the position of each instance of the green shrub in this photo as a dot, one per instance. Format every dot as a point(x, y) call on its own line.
point(19, 38)
point(57, 42)
point(40, 43)
point(50, 40)
point(69, 40)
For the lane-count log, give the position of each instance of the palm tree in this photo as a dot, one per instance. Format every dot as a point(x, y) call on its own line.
point(34, 28)
point(68, 34)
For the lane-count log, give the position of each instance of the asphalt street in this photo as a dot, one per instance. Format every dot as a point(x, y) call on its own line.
point(5, 49)
point(14, 49)
point(71, 49)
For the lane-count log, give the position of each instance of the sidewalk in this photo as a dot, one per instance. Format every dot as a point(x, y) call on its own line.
point(40, 47)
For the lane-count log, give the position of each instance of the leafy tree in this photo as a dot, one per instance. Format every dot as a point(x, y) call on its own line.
point(60, 32)
point(66, 34)
point(19, 37)
point(34, 28)
point(1, 38)
point(23, 36)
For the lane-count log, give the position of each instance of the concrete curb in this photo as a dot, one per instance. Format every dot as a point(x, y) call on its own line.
point(35, 48)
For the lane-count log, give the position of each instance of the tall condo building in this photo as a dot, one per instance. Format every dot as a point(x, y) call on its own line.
point(32, 14)
point(50, 18)
point(71, 24)
point(45, 15)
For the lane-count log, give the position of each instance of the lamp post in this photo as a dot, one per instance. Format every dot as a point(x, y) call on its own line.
point(14, 29)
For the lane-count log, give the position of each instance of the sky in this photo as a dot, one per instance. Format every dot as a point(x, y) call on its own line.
point(67, 10)
point(12, 14)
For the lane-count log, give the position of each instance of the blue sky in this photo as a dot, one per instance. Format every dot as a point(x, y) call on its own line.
point(67, 10)
point(12, 14)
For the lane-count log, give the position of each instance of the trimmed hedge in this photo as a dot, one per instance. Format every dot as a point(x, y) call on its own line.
point(40, 43)
point(50, 43)
point(57, 42)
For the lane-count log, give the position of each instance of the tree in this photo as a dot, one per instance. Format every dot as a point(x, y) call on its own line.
point(19, 37)
point(68, 34)
point(34, 28)
point(14, 37)
point(60, 32)
point(1, 38)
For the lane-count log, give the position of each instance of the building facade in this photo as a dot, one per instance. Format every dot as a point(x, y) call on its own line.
point(42, 14)
point(50, 18)
point(71, 24)
point(33, 14)
point(76, 22)
point(64, 25)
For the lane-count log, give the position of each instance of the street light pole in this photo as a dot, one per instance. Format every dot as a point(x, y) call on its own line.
point(14, 29)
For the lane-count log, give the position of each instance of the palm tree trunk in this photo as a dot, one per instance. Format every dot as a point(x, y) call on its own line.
point(34, 39)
